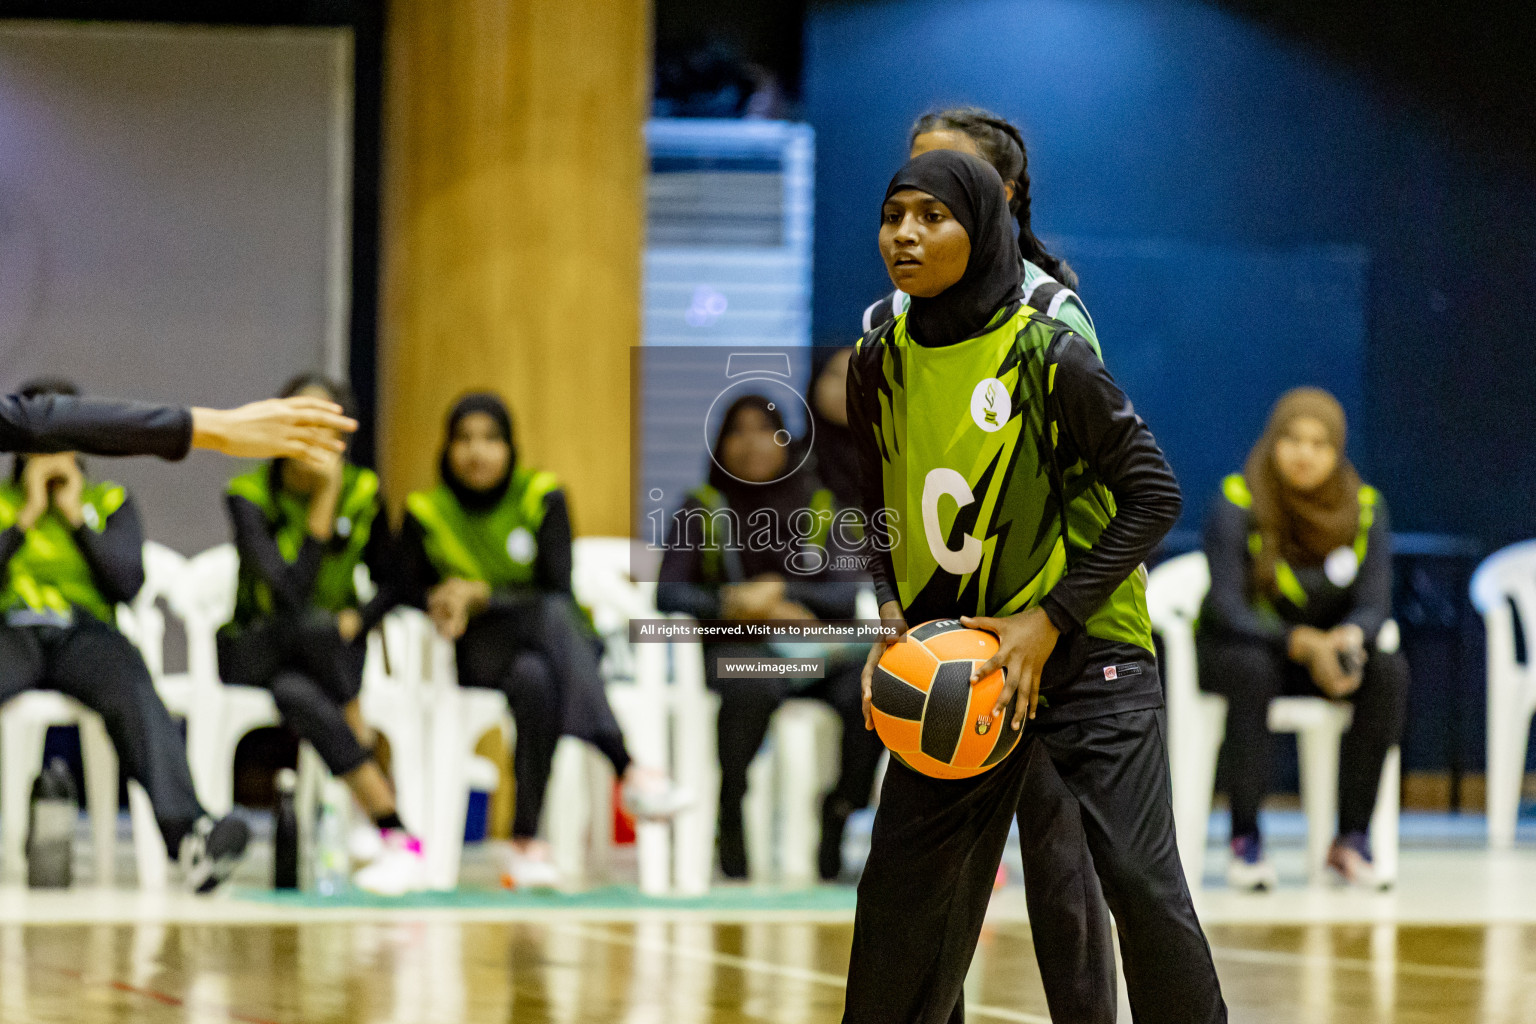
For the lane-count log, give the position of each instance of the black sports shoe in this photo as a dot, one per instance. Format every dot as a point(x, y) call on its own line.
point(210, 853)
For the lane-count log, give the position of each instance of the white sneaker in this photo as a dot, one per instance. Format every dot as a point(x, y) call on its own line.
point(1249, 870)
point(366, 843)
point(399, 869)
point(650, 795)
point(529, 870)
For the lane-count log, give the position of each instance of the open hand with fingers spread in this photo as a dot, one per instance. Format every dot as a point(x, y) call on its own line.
point(304, 427)
point(1024, 642)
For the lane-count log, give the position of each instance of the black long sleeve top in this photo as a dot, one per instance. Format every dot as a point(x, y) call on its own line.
point(115, 555)
point(1230, 607)
point(293, 583)
point(551, 565)
point(95, 426)
point(1100, 428)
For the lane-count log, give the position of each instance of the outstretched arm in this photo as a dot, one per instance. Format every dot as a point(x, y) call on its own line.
point(300, 427)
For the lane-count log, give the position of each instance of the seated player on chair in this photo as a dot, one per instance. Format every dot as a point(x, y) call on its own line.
point(301, 631)
point(1301, 587)
point(712, 575)
point(72, 548)
point(488, 555)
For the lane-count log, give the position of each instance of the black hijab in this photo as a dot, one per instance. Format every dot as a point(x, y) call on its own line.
point(496, 409)
point(973, 191)
point(784, 496)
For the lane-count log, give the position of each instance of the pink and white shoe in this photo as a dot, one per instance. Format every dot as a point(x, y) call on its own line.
point(399, 869)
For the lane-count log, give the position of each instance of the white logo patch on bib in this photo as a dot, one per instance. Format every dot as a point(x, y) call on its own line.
point(521, 546)
point(991, 405)
point(1341, 567)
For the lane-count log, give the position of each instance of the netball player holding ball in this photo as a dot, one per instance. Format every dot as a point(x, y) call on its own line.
point(1026, 493)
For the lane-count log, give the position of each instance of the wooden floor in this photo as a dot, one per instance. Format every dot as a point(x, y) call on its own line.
point(696, 972)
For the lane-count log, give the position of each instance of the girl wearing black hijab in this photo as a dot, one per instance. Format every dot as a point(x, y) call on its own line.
point(487, 554)
point(1026, 493)
point(710, 572)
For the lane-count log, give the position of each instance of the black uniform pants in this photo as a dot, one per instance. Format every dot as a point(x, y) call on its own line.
point(1251, 674)
point(546, 663)
point(934, 853)
point(313, 675)
point(747, 706)
point(97, 666)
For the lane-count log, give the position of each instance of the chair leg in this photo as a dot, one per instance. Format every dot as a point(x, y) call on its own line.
point(100, 759)
point(568, 810)
point(1384, 822)
point(21, 758)
point(306, 805)
point(757, 818)
point(1193, 775)
point(444, 838)
point(1508, 736)
point(599, 844)
point(1319, 754)
point(694, 758)
point(798, 761)
point(148, 845)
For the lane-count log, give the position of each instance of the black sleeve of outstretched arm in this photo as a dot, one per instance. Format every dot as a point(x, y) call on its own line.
point(552, 569)
point(116, 554)
point(1228, 607)
point(95, 426)
point(863, 419)
point(292, 584)
point(1373, 586)
point(1099, 425)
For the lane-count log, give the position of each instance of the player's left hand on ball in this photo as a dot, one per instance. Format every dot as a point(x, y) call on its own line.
point(1024, 642)
point(890, 613)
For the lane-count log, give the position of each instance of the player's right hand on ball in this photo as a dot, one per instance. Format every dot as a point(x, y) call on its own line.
point(889, 611)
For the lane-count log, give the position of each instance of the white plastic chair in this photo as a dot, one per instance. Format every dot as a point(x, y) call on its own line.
point(1197, 725)
point(1504, 587)
point(455, 718)
point(695, 759)
point(579, 805)
point(204, 599)
point(24, 723)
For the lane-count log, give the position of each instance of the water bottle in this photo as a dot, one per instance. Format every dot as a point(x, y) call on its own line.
point(330, 858)
point(285, 837)
point(51, 828)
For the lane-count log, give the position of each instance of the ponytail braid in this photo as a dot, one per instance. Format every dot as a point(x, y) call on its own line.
point(1002, 146)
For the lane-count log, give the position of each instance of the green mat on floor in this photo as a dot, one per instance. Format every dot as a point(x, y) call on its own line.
point(826, 898)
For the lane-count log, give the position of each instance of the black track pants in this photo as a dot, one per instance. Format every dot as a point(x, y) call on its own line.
point(97, 666)
point(935, 850)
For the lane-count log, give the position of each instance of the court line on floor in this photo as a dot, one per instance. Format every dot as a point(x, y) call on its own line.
point(768, 967)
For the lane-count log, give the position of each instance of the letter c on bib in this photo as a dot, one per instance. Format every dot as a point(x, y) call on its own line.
point(940, 482)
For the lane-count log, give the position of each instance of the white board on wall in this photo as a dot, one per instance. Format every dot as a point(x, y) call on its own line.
point(174, 225)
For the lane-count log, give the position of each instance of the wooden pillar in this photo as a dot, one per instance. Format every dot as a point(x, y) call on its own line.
point(513, 225)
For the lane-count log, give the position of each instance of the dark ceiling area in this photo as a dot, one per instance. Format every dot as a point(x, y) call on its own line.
point(1473, 62)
